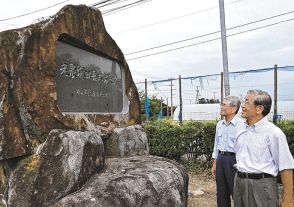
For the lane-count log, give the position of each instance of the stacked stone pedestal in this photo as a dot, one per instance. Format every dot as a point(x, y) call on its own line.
point(70, 169)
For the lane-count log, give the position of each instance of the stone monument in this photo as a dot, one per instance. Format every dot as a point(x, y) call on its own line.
point(70, 121)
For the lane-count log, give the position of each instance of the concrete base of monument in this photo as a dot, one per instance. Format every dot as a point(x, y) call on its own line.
point(70, 169)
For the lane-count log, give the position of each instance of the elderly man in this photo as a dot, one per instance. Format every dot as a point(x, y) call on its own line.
point(223, 153)
point(261, 152)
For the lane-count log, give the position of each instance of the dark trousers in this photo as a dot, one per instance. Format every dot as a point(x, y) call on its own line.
point(225, 173)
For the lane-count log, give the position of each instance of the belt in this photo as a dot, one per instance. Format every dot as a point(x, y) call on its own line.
point(226, 153)
point(253, 176)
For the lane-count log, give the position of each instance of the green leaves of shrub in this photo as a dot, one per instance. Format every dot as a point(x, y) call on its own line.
point(172, 140)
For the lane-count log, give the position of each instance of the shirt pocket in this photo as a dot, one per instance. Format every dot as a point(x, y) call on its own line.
point(231, 141)
point(231, 138)
point(258, 150)
point(219, 140)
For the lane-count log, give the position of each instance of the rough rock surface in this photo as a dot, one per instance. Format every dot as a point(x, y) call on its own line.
point(66, 167)
point(62, 164)
point(27, 80)
point(133, 182)
point(129, 141)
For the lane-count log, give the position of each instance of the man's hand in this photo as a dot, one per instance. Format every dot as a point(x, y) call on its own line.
point(286, 204)
point(213, 169)
point(287, 181)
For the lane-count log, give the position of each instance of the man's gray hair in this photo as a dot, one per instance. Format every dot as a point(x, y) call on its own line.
point(234, 102)
point(262, 98)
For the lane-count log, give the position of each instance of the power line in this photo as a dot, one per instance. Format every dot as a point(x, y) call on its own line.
point(123, 7)
point(178, 48)
point(95, 4)
point(172, 19)
point(33, 11)
point(172, 43)
point(130, 6)
point(107, 3)
point(102, 2)
point(211, 33)
point(143, 74)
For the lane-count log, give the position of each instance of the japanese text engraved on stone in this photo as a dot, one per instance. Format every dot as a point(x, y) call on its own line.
point(87, 82)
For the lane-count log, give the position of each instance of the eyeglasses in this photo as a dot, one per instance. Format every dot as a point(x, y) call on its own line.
point(246, 102)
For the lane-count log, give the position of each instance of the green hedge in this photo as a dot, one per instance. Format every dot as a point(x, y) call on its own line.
point(172, 140)
point(288, 128)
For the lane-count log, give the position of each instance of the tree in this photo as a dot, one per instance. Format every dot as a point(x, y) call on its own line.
point(154, 106)
point(208, 101)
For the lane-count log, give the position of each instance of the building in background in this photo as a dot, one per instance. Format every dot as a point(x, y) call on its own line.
point(211, 111)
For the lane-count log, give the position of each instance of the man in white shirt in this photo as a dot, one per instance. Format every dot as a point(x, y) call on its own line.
point(262, 152)
point(223, 153)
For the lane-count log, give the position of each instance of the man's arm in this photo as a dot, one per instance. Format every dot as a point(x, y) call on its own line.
point(215, 151)
point(213, 169)
point(287, 181)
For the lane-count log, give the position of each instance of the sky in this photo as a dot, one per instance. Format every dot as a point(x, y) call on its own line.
point(162, 22)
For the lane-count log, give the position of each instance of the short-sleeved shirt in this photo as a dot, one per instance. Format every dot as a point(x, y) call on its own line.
point(262, 148)
point(225, 136)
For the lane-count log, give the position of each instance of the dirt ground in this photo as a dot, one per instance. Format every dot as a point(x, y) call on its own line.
point(202, 190)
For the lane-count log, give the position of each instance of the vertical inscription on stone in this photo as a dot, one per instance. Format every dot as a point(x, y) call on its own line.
point(87, 82)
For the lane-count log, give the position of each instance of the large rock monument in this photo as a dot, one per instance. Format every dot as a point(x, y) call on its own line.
point(70, 131)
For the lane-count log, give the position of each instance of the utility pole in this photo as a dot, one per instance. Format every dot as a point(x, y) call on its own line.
point(222, 87)
point(146, 109)
point(275, 117)
point(197, 96)
point(171, 98)
point(224, 47)
point(181, 101)
point(161, 106)
point(166, 106)
point(214, 95)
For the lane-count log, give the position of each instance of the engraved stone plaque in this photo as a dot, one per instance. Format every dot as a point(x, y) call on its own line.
point(87, 82)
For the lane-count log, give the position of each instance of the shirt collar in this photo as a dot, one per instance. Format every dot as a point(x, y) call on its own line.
point(233, 121)
point(258, 125)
